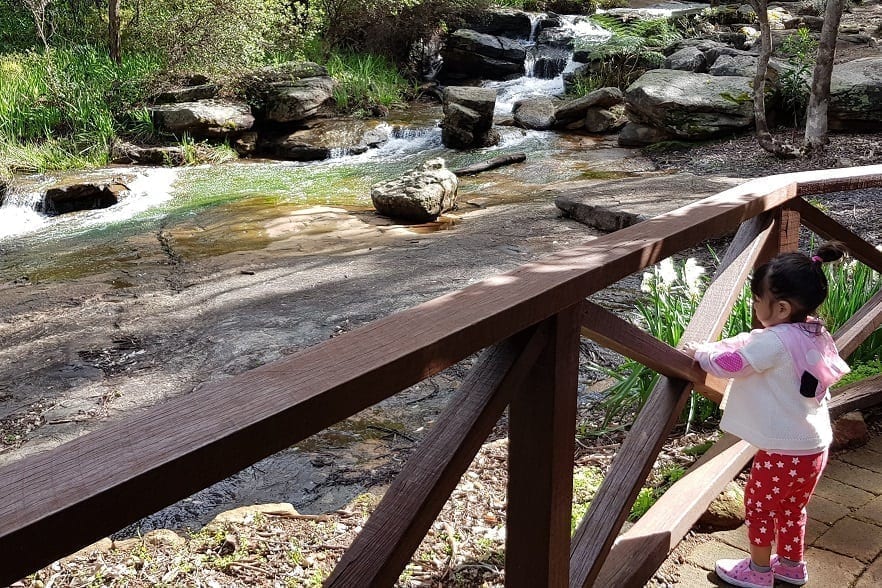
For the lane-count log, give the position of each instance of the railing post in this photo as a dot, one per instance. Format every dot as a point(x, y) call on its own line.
point(784, 238)
point(542, 427)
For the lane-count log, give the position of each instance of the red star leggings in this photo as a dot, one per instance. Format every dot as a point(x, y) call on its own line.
point(775, 497)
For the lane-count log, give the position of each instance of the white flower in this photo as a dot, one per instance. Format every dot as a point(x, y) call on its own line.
point(648, 282)
point(693, 272)
point(666, 271)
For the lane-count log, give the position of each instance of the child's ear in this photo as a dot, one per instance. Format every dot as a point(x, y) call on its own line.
point(783, 308)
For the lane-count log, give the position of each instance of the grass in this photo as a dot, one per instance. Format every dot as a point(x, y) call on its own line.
point(60, 108)
point(365, 81)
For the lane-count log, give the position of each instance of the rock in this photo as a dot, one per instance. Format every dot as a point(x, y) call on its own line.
point(856, 95)
point(472, 55)
point(576, 109)
point(4, 188)
point(734, 65)
point(637, 135)
point(468, 117)
point(420, 195)
point(323, 138)
point(613, 205)
point(245, 514)
point(188, 94)
point(290, 91)
point(202, 119)
point(123, 152)
point(849, 430)
point(690, 105)
point(812, 23)
point(163, 537)
point(514, 24)
point(687, 59)
point(561, 38)
point(534, 113)
point(727, 510)
point(246, 143)
point(601, 120)
point(75, 197)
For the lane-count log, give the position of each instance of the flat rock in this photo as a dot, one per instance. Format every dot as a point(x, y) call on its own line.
point(613, 205)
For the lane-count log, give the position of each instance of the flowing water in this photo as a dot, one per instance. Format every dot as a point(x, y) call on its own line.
point(241, 199)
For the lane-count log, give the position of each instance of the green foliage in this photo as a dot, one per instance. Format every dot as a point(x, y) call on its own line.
point(633, 48)
point(861, 371)
point(215, 35)
point(60, 108)
point(851, 284)
point(671, 294)
point(389, 28)
point(365, 81)
point(586, 482)
point(17, 31)
point(793, 84)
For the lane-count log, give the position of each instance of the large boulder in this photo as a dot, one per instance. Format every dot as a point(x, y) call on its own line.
point(690, 105)
point(505, 22)
point(202, 119)
point(123, 152)
point(473, 55)
point(534, 113)
point(323, 138)
point(290, 92)
point(468, 117)
point(576, 109)
point(186, 94)
point(856, 95)
point(420, 195)
point(734, 65)
point(80, 196)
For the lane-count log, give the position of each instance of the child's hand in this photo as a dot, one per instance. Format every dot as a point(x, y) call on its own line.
point(691, 347)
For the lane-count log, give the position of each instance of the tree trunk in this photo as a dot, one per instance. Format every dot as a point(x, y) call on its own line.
point(763, 136)
point(816, 114)
point(113, 35)
point(491, 164)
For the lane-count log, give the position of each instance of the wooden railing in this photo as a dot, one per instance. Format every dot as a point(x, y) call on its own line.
point(528, 322)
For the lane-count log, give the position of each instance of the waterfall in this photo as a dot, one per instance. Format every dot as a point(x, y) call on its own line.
point(147, 190)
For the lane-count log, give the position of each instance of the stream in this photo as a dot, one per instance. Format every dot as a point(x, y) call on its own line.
point(143, 251)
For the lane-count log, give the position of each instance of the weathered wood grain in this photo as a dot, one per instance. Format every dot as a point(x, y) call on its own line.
point(597, 531)
point(856, 396)
point(860, 326)
point(617, 334)
point(541, 446)
point(639, 551)
point(410, 505)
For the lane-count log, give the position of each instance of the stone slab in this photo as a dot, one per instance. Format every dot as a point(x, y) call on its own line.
point(706, 554)
point(854, 476)
point(826, 511)
point(872, 576)
point(853, 538)
point(870, 512)
point(843, 494)
point(814, 529)
point(870, 460)
point(831, 569)
point(613, 205)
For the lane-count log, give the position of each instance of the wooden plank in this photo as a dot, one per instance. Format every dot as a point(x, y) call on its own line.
point(860, 326)
point(94, 485)
point(639, 551)
point(829, 228)
point(541, 446)
point(410, 505)
point(856, 396)
point(841, 180)
point(598, 529)
point(617, 334)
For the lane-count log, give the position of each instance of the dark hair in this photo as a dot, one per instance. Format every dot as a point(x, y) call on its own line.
point(797, 278)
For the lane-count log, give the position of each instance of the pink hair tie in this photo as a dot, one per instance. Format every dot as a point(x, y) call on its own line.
point(817, 259)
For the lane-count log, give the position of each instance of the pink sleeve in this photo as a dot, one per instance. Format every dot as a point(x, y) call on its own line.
point(724, 363)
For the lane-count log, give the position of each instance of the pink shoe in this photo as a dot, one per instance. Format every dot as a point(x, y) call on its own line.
point(797, 575)
point(738, 573)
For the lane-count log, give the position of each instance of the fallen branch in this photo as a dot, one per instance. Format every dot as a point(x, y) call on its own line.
point(476, 168)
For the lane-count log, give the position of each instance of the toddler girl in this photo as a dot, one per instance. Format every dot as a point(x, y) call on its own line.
point(778, 403)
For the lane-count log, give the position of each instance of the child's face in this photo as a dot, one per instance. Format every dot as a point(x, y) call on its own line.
point(770, 311)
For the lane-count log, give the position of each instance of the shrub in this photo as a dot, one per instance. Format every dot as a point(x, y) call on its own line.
point(793, 84)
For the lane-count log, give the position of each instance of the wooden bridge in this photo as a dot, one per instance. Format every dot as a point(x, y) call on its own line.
point(528, 323)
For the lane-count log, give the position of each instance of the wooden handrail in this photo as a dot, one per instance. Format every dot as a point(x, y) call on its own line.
point(92, 486)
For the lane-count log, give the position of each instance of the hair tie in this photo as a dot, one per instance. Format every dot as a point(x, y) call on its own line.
point(817, 259)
